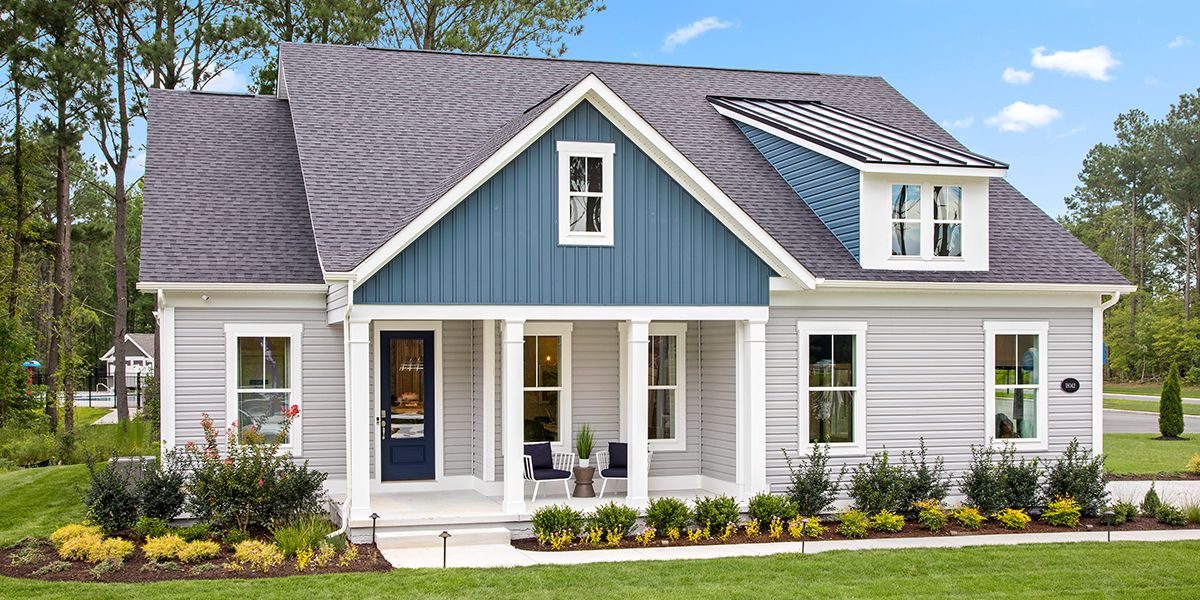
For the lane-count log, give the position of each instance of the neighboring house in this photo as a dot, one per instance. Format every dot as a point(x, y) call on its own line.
point(439, 257)
point(139, 359)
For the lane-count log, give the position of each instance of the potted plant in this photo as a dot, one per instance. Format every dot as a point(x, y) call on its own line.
point(583, 445)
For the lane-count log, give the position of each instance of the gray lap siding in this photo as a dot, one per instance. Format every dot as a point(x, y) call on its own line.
point(926, 378)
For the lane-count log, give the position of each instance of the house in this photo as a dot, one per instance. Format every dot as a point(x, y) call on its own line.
point(439, 257)
point(139, 359)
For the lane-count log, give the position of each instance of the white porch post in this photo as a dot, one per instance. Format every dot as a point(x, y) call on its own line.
point(489, 400)
point(512, 413)
point(752, 406)
point(361, 420)
point(637, 357)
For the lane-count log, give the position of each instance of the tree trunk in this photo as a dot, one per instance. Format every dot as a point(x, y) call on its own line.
point(18, 175)
point(1133, 267)
point(1187, 263)
point(60, 363)
point(121, 311)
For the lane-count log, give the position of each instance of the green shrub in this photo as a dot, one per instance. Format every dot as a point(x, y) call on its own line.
point(811, 488)
point(300, 533)
point(25, 444)
point(252, 483)
point(1123, 512)
point(877, 485)
point(152, 405)
point(613, 517)
point(995, 480)
point(922, 480)
point(1080, 476)
point(1150, 502)
point(1012, 518)
point(716, 512)
point(1192, 513)
point(160, 489)
point(148, 527)
point(18, 407)
point(110, 500)
point(666, 513)
point(1062, 511)
point(931, 515)
point(195, 531)
point(968, 517)
point(852, 523)
point(233, 537)
point(1170, 515)
point(555, 519)
point(886, 520)
point(764, 507)
point(1170, 406)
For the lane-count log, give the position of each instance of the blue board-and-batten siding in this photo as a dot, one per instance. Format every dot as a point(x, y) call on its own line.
point(829, 187)
point(500, 245)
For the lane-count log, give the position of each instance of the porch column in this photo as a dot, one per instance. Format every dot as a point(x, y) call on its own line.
point(512, 411)
point(637, 357)
point(361, 419)
point(752, 405)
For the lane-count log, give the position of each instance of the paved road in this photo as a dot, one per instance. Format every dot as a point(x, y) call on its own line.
point(1128, 421)
point(1143, 397)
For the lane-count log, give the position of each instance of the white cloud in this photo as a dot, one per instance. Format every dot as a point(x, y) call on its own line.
point(1093, 63)
point(1016, 76)
point(228, 80)
point(1179, 42)
point(962, 123)
point(1021, 116)
point(690, 32)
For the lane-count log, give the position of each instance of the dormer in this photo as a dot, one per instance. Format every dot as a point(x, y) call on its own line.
point(895, 200)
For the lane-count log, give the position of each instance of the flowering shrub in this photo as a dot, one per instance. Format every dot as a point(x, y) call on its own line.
point(852, 523)
point(550, 520)
point(1012, 518)
point(930, 514)
point(673, 534)
point(198, 551)
point(775, 529)
point(886, 520)
point(1063, 511)
point(695, 535)
point(255, 556)
point(303, 558)
point(557, 541)
point(594, 536)
point(164, 547)
point(646, 537)
point(253, 483)
point(752, 529)
point(968, 516)
point(728, 532)
point(798, 527)
point(613, 538)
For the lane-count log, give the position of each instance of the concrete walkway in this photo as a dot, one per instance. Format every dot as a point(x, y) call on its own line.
point(504, 555)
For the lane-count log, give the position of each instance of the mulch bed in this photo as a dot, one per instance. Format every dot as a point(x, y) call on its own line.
point(1157, 477)
point(909, 531)
point(28, 556)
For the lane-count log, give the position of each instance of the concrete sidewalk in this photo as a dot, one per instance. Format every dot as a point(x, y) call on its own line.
point(504, 555)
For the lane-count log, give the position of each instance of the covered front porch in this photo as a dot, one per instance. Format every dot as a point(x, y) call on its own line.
point(442, 405)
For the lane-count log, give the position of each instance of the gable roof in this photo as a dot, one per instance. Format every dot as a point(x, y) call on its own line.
point(224, 197)
point(850, 137)
point(143, 344)
point(375, 137)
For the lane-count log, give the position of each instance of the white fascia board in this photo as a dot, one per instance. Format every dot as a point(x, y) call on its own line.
point(592, 89)
point(453, 312)
point(865, 167)
point(1098, 288)
point(304, 288)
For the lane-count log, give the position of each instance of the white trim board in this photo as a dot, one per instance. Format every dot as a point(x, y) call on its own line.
point(593, 90)
point(580, 312)
point(295, 333)
point(1041, 329)
point(858, 329)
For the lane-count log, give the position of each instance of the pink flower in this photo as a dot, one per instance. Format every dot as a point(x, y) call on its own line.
point(254, 428)
point(229, 461)
point(260, 483)
point(233, 425)
point(294, 410)
point(191, 445)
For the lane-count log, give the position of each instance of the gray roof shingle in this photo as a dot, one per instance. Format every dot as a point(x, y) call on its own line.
point(380, 134)
point(224, 196)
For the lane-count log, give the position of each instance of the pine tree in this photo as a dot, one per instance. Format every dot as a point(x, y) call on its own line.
point(1170, 406)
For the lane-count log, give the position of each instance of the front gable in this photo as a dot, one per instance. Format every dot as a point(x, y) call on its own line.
point(500, 245)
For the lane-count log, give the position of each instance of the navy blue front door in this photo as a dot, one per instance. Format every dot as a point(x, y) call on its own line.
point(406, 366)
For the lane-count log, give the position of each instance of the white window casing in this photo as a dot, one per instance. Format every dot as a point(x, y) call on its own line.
point(679, 412)
point(295, 333)
point(991, 330)
point(563, 331)
point(876, 219)
point(605, 152)
point(858, 329)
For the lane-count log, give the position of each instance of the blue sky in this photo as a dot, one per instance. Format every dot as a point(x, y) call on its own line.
point(1073, 66)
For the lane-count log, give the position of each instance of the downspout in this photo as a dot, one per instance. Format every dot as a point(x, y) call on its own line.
point(1098, 372)
point(344, 509)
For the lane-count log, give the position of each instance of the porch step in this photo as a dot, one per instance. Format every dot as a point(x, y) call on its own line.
point(431, 538)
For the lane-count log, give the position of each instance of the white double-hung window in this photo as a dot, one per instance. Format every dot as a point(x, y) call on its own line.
point(927, 220)
point(832, 401)
point(262, 363)
point(667, 398)
point(585, 190)
point(1016, 391)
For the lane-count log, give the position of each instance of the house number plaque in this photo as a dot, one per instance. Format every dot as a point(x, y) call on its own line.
point(1070, 385)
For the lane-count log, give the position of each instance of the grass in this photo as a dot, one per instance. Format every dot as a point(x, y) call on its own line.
point(1148, 389)
point(1141, 454)
point(38, 501)
point(85, 415)
point(1126, 569)
point(1147, 406)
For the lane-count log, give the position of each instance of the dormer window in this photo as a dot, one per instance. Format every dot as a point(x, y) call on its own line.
point(923, 222)
point(947, 221)
point(906, 220)
point(585, 204)
point(926, 220)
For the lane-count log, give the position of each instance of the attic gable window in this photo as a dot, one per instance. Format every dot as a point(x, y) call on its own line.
point(585, 203)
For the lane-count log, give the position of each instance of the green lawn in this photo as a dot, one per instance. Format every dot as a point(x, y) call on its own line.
point(38, 501)
point(1140, 453)
point(1125, 569)
point(1148, 389)
point(1147, 405)
point(85, 415)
